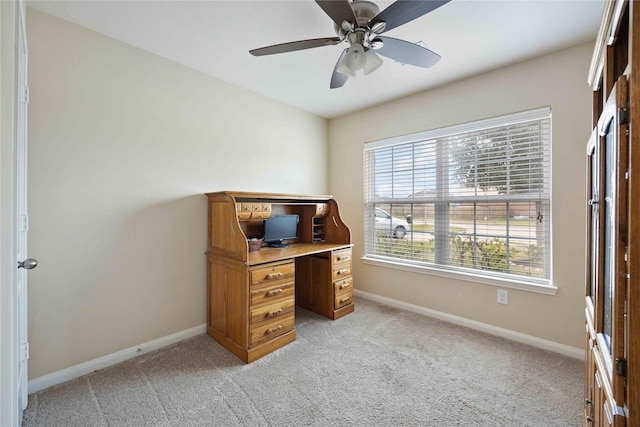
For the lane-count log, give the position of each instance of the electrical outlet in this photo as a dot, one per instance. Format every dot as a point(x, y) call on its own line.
point(503, 297)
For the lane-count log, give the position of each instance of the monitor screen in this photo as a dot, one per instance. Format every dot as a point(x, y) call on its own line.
point(280, 227)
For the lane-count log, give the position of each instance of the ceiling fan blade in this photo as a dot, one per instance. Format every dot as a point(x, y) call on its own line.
point(407, 53)
point(293, 46)
point(403, 11)
point(339, 79)
point(338, 10)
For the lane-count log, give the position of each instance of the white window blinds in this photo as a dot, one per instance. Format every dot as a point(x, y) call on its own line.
point(473, 198)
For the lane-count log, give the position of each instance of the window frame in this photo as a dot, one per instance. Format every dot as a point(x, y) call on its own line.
point(508, 280)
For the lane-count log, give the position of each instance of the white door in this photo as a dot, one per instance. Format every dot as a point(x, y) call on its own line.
point(22, 226)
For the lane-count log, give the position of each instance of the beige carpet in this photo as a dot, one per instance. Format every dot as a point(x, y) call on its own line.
point(379, 366)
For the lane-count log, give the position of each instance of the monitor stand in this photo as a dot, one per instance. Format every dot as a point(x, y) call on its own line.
point(279, 245)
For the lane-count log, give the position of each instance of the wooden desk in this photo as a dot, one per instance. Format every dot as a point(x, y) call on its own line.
point(251, 296)
point(268, 254)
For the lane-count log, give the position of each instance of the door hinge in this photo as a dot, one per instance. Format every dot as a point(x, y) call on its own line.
point(621, 367)
point(623, 115)
point(25, 94)
point(24, 223)
point(24, 352)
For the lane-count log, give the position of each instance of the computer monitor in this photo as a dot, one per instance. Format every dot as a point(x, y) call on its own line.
point(280, 227)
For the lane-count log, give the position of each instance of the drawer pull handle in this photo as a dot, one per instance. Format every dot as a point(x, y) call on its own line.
point(342, 258)
point(342, 272)
point(345, 299)
point(272, 276)
point(274, 292)
point(344, 285)
point(275, 313)
point(276, 329)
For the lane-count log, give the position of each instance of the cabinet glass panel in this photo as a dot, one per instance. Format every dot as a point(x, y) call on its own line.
point(593, 221)
point(609, 233)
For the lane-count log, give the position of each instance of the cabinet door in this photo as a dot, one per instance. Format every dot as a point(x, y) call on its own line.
point(607, 259)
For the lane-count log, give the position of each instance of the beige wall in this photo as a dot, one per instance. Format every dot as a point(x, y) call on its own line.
point(557, 80)
point(122, 145)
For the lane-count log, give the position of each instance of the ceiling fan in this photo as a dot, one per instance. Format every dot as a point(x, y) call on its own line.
point(360, 23)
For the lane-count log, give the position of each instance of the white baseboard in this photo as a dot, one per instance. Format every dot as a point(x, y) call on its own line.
point(73, 372)
point(574, 352)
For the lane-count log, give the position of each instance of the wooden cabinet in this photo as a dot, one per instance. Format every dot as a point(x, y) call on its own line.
point(612, 312)
point(342, 280)
point(251, 296)
point(272, 300)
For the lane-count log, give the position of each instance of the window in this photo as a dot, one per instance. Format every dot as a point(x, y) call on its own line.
point(471, 199)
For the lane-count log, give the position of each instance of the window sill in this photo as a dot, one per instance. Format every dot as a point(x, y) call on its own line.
point(485, 280)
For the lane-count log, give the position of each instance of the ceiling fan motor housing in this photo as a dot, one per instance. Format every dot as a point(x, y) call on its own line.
point(358, 32)
point(364, 11)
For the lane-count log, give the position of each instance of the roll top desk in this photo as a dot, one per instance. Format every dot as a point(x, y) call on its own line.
point(251, 295)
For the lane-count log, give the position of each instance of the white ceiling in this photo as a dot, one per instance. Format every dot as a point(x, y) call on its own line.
point(214, 37)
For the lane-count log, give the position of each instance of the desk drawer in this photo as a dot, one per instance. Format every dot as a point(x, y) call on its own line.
point(272, 293)
point(343, 297)
point(272, 312)
point(272, 273)
point(260, 210)
point(342, 285)
point(341, 257)
point(243, 213)
point(322, 209)
point(253, 210)
point(341, 271)
point(243, 210)
point(267, 330)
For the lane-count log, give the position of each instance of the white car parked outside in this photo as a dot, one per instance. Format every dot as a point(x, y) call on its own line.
point(390, 225)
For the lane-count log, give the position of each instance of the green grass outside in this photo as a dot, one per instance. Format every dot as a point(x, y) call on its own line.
point(491, 254)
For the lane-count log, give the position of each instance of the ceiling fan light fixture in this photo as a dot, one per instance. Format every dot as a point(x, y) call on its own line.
point(372, 62)
point(343, 69)
point(356, 58)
